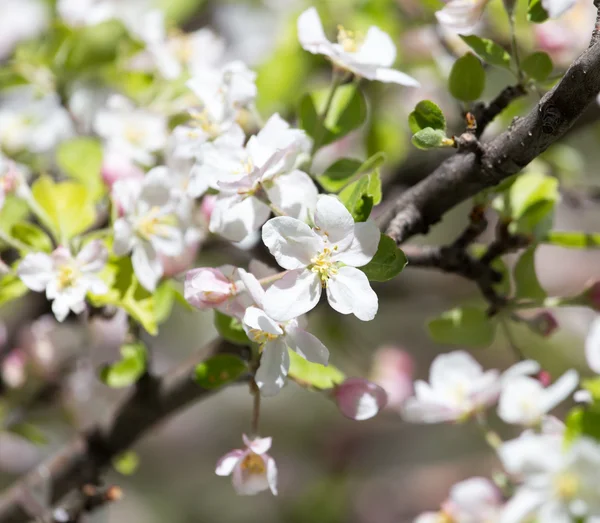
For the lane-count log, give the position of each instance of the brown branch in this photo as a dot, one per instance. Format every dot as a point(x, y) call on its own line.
point(464, 175)
point(83, 459)
point(485, 114)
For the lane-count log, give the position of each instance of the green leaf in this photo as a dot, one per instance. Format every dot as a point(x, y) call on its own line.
point(128, 370)
point(81, 159)
point(126, 463)
point(573, 239)
point(31, 235)
point(11, 288)
point(426, 114)
point(388, 262)
point(536, 12)
point(467, 78)
point(13, 211)
point(526, 281)
point(582, 422)
point(69, 206)
point(309, 118)
point(312, 374)
point(230, 329)
point(219, 370)
point(29, 432)
point(488, 50)
point(339, 174)
point(430, 139)
point(359, 197)
point(467, 326)
point(164, 299)
point(537, 66)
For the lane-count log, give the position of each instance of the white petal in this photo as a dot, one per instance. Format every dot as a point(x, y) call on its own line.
point(383, 74)
point(235, 221)
point(476, 496)
point(522, 505)
point(156, 187)
point(228, 462)
point(377, 48)
point(295, 194)
point(415, 410)
point(168, 240)
point(555, 8)
point(363, 247)
point(92, 257)
point(560, 390)
point(274, 365)
point(349, 292)
point(592, 346)
point(247, 483)
point(257, 319)
point(123, 241)
point(272, 474)
point(461, 16)
point(293, 295)
point(60, 308)
point(523, 368)
point(306, 345)
point(253, 286)
point(146, 265)
point(452, 366)
point(257, 445)
point(334, 221)
point(36, 270)
point(311, 34)
point(291, 242)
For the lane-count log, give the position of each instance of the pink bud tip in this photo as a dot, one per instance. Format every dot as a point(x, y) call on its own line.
point(207, 206)
point(544, 324)
point(593, 294)
point(544, 378)
point(359, 399)
point(117, 167)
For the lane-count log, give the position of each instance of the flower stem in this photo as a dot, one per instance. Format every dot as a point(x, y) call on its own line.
point(255, 408)
point(511, 340)
point(514, 46)
point(13, 242)
point(491, 436)
point(336, 81)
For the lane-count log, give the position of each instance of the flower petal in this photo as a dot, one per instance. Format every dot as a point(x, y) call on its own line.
point(274, 366)
point(334, 221)
point(363, 247)
point(168, 240)
point(311, 34)
point(295, 194)
point(359, 399)
point(306, 345)
point(560, 390)
point(234, 219)
point(349, 292)
point(272, 474)
point(384, 74)
point(293, 295)
point(291, 242)
point(376, 49)
point(592, 346)
point(227, 463)
point(256, 319)
point(253, 286)
point(146, 265)
point(36, 271)
point(124, 237)
point(257, 445)
point(92, 257)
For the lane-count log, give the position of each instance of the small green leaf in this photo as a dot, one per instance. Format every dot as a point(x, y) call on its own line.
point(127, 370)
point(31, 235)
point(230, 329)
point(467, 78)
point(164, 299)
point(388, 262)
point(537, 66)
point(488, 50)
point(339, 174)
point(69, 206)
point(426, 114)
point(536, 12)
point(573, 239)
point(312, 374)
point(81, 159)
point(467, 326)
point(582, 422)
point(429, 138)
point(359, 197)
point(126, 463)
point(29, 432)
point(11, 288)
point(526, 281)
point(309, 118)
point(13, 211)
point(219, 370)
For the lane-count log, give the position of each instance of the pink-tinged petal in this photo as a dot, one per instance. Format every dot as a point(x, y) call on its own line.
point(257, 445)
point(205, 288)
point(560, 390)
point(376, 49)
point(291, 242)
point(36, 271)
point(61, 256)
point(227, 463)
point(363, 247)
point(393, 370)
point(334, 221)
point(253, 287)
point(146, 265)
point(293, 295)
point(349, 292)
point(92, 257)
point(272, 474)
point(274, 366)
point(306, 345)
point(257, 324)
point(476, 497)
point(359, 399)
point(311, 34)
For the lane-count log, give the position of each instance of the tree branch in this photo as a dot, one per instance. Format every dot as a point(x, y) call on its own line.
point(464, 175)
point(86, 456)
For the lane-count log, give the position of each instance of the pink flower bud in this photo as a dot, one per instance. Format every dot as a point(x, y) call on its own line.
point(207, 288)
point(13, 369)
point(359, 399)
point(116, 166)
point(207, 206)
point(544, 378)
point(393, 370)
point(543, 324)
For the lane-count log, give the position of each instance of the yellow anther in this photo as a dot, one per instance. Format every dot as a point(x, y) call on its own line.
point(349, 40)
point(149, 224)
point(566, 485)
point(134, 134)
point(323, 266)
point(203, 120)
point(253, 464)
point(67, 276)
point(261, 337)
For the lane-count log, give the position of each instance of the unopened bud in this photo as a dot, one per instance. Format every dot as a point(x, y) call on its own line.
point(206, 288)
point(543, 324)
point(359, 399)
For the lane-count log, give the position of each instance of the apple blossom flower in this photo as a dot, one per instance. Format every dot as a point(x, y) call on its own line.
point(65, 279)
point(525, 401)
point(559, 483)
point(149, 226)
point(32, 123)
point(369, 58)
point(474, 500)
point(12, 180)
point(461, 16)
point(393, 370)
point(275, 338)
point(21, 20)
point(252, 469)
point(458, 388)
point(325, 256)
point(134, 133)
point(359, 399)
point(118, 166)
point(592, 346)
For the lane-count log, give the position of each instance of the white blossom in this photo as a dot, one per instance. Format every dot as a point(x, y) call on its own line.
point(20, 20)
point(252, 469)
point(149, 226)
point(65, 279)
point(592, 346)
point(461, 16)
point(369, 58)
point(325, 256)
point(93, 12)
point(525, 401)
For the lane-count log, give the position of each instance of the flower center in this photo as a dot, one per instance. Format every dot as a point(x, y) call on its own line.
point(322, 265)
point(67, 276)
point(261, 337)
point(253, 464)
point(148, 225)
point(203, 120)
point(134, 134)
point(350, 41)
point(566, 485)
